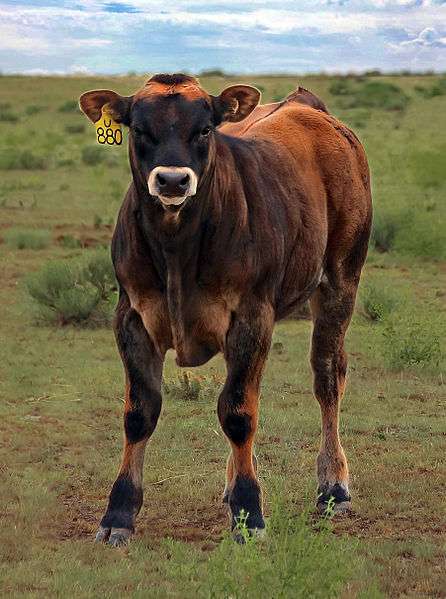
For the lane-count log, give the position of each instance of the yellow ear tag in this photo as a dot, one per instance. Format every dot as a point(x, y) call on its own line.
point(108, 131)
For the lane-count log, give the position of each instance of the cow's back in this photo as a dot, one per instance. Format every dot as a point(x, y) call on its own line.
point(322, 152)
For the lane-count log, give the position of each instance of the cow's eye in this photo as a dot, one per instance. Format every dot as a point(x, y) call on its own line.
point(144, 135)
point(205, 131)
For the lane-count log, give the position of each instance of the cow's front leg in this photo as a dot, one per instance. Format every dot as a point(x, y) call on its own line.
point(143, 367)
point(247, 346)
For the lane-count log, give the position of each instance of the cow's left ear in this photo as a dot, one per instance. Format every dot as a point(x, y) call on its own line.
point(91, 104)
point(235, 103)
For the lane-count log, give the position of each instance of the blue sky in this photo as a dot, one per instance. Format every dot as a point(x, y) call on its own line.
point(94, 36)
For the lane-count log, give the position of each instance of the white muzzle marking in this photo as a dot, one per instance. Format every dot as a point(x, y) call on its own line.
point(174, 200)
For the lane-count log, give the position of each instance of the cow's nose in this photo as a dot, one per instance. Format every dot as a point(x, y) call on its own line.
point(172, 183)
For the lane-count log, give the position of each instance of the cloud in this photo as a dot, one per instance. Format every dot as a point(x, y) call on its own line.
point(236, 35)
point(428, 37)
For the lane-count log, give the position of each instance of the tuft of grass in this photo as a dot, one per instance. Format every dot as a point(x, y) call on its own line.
point(92, 155)
point(437, 89)
point(75, 129)
point(34, 109)
point(341, 87)
point(370, 94)
point(78, 291)
point(70, 242)
point(6, 114)
point(412, 343)
point(28, 239)
point(378, 302)
point(69, 106)
point(384, 230)
point(13, 159)
point(290, 559)
point(189, 386)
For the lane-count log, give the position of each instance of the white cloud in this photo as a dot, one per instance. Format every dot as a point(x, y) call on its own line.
point(358, 34)
point(428, 37)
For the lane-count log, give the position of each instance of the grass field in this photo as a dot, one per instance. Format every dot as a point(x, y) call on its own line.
point(62, 386)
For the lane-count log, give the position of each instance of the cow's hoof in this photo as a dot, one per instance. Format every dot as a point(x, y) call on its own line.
point(240, 537)
point(343, 507)
point(102, 535)
point(116, 537)
point(119, 537)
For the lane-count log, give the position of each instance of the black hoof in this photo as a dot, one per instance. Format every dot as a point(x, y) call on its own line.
point(241, 537)
point(116, 537)
point(336, 496)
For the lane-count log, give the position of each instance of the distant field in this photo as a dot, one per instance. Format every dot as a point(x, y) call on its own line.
point(62, 386)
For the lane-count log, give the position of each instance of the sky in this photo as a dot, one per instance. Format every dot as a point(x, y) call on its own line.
point(251, 36)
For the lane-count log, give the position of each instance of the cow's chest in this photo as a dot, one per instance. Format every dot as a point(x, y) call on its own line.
point(192, 321)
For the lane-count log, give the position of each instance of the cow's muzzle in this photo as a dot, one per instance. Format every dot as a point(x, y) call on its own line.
point(172, 184)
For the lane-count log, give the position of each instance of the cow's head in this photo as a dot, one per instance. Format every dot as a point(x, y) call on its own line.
point(172, 123)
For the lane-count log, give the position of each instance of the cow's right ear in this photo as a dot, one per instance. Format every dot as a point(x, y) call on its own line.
point(118, 107)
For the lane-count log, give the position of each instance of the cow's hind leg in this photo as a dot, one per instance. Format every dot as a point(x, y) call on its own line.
point(332, 307)
point(247, 346)
point(143, 367)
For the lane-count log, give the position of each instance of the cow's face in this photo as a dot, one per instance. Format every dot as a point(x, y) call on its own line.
point(172, 126)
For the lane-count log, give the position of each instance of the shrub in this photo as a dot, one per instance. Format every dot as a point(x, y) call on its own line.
point(75, 291)
point(379, 94)
point(384, 231)
point(437, 89)
point(93, 155)
point(29, 239)
point(377, 302)
point(341, 87)
point(69, 106)
point(69, 242)
point(212, 73)
point(34, 109)
point(98, 271)
point(7, 116)
point(409, 343)
point(13, 159)
point(74, 129)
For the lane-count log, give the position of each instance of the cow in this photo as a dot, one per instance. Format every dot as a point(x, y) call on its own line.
point(236, 214)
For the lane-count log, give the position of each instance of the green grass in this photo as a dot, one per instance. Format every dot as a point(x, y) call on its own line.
point(27, 239)
point(62, 388)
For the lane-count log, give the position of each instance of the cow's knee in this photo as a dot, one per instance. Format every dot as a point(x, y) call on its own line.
point(141, 417)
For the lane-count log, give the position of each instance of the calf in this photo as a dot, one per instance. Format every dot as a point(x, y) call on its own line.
point(236, 214)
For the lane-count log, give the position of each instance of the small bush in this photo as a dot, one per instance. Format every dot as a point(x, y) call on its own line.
point(69, 242)
point(341, 87)
point(13, 159)
point(93, 155)
point(379, 94)
point(384, 231)
point(73, 291)
point(409, 343)
point(28, 239)
point(437, 89)
point(34, 109)
point(378, 302)
point(75, 129)
point(7, 116)
point(98, 271)
point(69, 106)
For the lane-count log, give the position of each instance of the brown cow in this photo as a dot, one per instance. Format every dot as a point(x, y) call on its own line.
point(235, 216)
